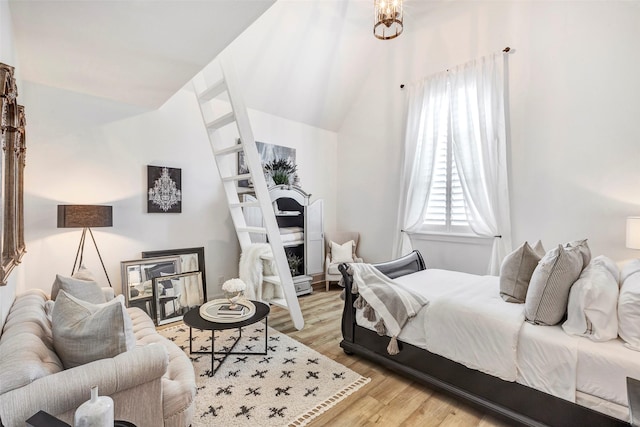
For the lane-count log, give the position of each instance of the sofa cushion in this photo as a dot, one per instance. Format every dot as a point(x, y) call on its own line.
point(516, 271)
point(86, 290)
point(178, 383)
point(548, 292)
point(84, 332)
point(25, 346)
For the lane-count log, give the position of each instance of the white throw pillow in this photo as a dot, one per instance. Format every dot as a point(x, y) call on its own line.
point(84, 332)
point(592, 311)
point(86, 290)
point(548, 292)
point(629, 305)
point(343, 252)
point(516, 271)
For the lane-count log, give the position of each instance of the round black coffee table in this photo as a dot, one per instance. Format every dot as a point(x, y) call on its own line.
point(193, 319)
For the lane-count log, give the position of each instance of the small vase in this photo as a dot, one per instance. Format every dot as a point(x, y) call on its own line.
point(96, 412)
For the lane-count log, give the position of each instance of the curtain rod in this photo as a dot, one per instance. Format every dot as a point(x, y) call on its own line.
point(505, 50)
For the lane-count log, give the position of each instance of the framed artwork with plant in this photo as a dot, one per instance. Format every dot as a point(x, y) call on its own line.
point(268, 154)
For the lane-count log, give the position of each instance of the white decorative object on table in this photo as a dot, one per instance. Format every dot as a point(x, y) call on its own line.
point(96, 412)
point(234, 289)
point(210, 311)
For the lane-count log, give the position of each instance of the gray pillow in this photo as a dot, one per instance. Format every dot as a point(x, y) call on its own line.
point(84, 332)
point(516, 271)
point(84, 273)
point(548, 293)
point(583, 247)
point(87, 290)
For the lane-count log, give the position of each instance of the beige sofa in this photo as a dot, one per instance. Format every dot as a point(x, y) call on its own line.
point(152, 385)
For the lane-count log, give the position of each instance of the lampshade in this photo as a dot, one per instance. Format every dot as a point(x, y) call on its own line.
point(387, 19)
point(633, 232)
point(80, 216)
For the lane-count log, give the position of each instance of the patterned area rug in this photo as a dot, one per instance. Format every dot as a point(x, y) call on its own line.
point(290, 385)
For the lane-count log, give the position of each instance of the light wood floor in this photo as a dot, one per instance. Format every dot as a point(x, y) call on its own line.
point(389, 399)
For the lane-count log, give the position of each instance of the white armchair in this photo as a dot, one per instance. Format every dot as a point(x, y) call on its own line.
point(331, 272)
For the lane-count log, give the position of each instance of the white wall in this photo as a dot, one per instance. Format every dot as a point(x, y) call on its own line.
point(84, 150)
point(8, 56)
point(574, 130)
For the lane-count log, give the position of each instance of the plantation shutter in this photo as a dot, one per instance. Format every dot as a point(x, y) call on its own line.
point(445, 206)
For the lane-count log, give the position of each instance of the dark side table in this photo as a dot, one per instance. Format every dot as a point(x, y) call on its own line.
point(193, 319)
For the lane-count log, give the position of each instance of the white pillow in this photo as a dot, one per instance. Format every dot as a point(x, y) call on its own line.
point(84, 332)
point(343, 252)
point(629, 305)
point(592, 311)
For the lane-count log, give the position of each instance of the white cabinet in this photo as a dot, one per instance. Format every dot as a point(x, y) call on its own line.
point(302, 230)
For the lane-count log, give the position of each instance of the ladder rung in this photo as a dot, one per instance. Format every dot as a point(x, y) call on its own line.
point(279, 302)
point(258, 230)
point(237, 177)
point(252, 204)
point(216, 89)
point(221, 121)
point(272, 279)
point(229, 150)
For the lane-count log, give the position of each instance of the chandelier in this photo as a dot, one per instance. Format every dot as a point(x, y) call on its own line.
point(387, 19)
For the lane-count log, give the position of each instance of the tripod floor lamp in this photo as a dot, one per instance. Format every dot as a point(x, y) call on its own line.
point(85, 217)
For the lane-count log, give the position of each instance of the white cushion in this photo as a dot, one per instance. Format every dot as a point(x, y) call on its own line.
point(629, 305)
point(343, 252)
point(84, 332)
point(592, 311)
point(516, 271)
point(86, 290)
point(548, 293)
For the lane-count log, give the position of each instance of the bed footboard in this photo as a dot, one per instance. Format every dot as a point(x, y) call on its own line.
point(408, 264)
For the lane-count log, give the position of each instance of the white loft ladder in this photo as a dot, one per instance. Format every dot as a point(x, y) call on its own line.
point(212, 85)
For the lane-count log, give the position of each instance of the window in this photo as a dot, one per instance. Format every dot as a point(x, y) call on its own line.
point(446, 210)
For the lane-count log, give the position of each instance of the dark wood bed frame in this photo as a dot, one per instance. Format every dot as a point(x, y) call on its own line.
point(511, 401)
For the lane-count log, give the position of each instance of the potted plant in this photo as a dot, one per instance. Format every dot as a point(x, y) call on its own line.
point(294, 264)
point(281, 171)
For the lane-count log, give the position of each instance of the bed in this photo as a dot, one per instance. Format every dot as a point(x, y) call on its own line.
point(536, 375)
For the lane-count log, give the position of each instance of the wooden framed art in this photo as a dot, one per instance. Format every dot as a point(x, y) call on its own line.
point(12, 162)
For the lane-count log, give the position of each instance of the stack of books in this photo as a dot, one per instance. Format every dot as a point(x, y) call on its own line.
point(226, 310)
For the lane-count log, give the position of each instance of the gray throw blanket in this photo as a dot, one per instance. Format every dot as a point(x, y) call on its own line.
point(378, 294)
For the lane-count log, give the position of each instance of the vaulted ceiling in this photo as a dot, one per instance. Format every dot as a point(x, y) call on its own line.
point(304, 60)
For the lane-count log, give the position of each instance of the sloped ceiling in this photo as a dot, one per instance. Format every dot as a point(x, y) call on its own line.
point(304, 60)
point(137, 52)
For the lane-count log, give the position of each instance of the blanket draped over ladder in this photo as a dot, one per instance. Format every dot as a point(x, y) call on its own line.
point(381, 296)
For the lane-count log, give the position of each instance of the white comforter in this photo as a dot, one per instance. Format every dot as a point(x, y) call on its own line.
point(466, 321)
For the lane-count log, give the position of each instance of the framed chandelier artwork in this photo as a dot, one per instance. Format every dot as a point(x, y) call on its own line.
point(164, 189)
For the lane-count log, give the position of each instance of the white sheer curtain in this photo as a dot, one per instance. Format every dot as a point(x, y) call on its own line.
point(479, 142)
point(427, 103)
